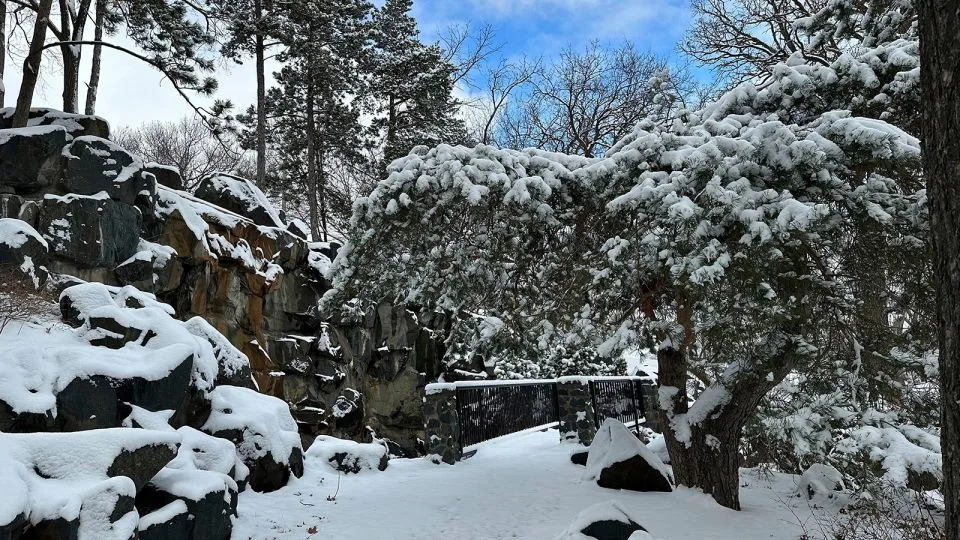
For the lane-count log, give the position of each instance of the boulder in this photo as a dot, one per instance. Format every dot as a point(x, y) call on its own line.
point(263, 431)
point(240, 196)
point(349, 456)
point(166, 175)
point(75, 125)
point(78, 485)
point(90, 165)
point(23, 247)
point(29, 157)
point(820, 482)
point(209, 500)
point(604, 521)
point(579, 458)
point(92, 231)
point(618, 460)
point(153, 268)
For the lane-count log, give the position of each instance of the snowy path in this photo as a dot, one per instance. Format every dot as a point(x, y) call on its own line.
point(522, 487)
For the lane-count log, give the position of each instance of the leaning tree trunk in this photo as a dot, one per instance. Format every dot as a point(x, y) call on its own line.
point(94, 84)
point(706, 454)
point(31, 65)
point(940, 103)
point(703, 440)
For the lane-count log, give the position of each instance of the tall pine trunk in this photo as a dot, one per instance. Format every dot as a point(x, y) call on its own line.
point(93, 85)
point(31, 65)
point(322, 197)
point(3, 48)
point(940, 103)
point(312, 161)
point(261, 98)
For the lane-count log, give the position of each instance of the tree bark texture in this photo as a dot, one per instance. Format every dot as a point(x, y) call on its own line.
point(940, 104)
point(31, 65)
point(94, 84)
point(261, 100)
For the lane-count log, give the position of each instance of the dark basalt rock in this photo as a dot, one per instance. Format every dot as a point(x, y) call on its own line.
point(90, 165)
point(90, 231)
point(29, 158)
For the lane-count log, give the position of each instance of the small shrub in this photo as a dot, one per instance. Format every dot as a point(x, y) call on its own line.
point(19, 300)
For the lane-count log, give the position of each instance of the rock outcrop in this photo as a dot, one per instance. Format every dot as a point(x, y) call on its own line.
point(225, 256)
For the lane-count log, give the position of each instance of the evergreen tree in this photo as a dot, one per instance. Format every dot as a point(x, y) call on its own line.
point(313, 113)
point(411, 85)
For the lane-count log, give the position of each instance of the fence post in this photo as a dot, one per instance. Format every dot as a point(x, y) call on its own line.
point(442, 423)
point(575, 405)
point(650, 399)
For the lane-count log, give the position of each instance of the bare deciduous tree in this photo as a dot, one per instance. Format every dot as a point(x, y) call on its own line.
point(742, 39)
point(588, 100)
point(187, 144)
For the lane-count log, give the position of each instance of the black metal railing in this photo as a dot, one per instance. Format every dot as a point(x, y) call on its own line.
point(617, 398)
point(494, 409)
point(489, 411)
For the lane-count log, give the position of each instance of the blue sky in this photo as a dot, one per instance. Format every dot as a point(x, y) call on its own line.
point(544, 27)
point(132, 93)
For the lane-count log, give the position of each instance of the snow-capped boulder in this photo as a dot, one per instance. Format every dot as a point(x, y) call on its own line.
point(117, 316)
point(262, 429)
point(579, 458)
point(820, 482)
point(23, 247)
point(349, 456)
point(29, 157)
point(618, 460)
point(91, 231)
point(166, 175)
point(68, 385)
point(78, 485)
point(241, 196)
point(153, 268)
point(90, 165)
point(604, 521)
point(209, 500)
point(75, 125)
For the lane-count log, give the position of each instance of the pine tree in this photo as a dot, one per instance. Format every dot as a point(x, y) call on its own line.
point(411, 85)
point(314, 117)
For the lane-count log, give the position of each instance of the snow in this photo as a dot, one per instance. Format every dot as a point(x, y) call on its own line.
point(523, 487)
point(363, 456)
point(15, 233)
point(264, 421)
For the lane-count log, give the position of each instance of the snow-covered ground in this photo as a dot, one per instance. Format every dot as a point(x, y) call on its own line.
point(521, 486)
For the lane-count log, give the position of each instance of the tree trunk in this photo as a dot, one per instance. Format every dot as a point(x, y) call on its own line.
point(261, 100)
point(940, 103)
point(3, 47)
point(312, 163)
point(71, 76)
point(94, 85)
point(31, 65)
point(706, 454)
point(322, 196)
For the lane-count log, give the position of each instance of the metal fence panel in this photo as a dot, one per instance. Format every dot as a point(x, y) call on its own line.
point(487, 411)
